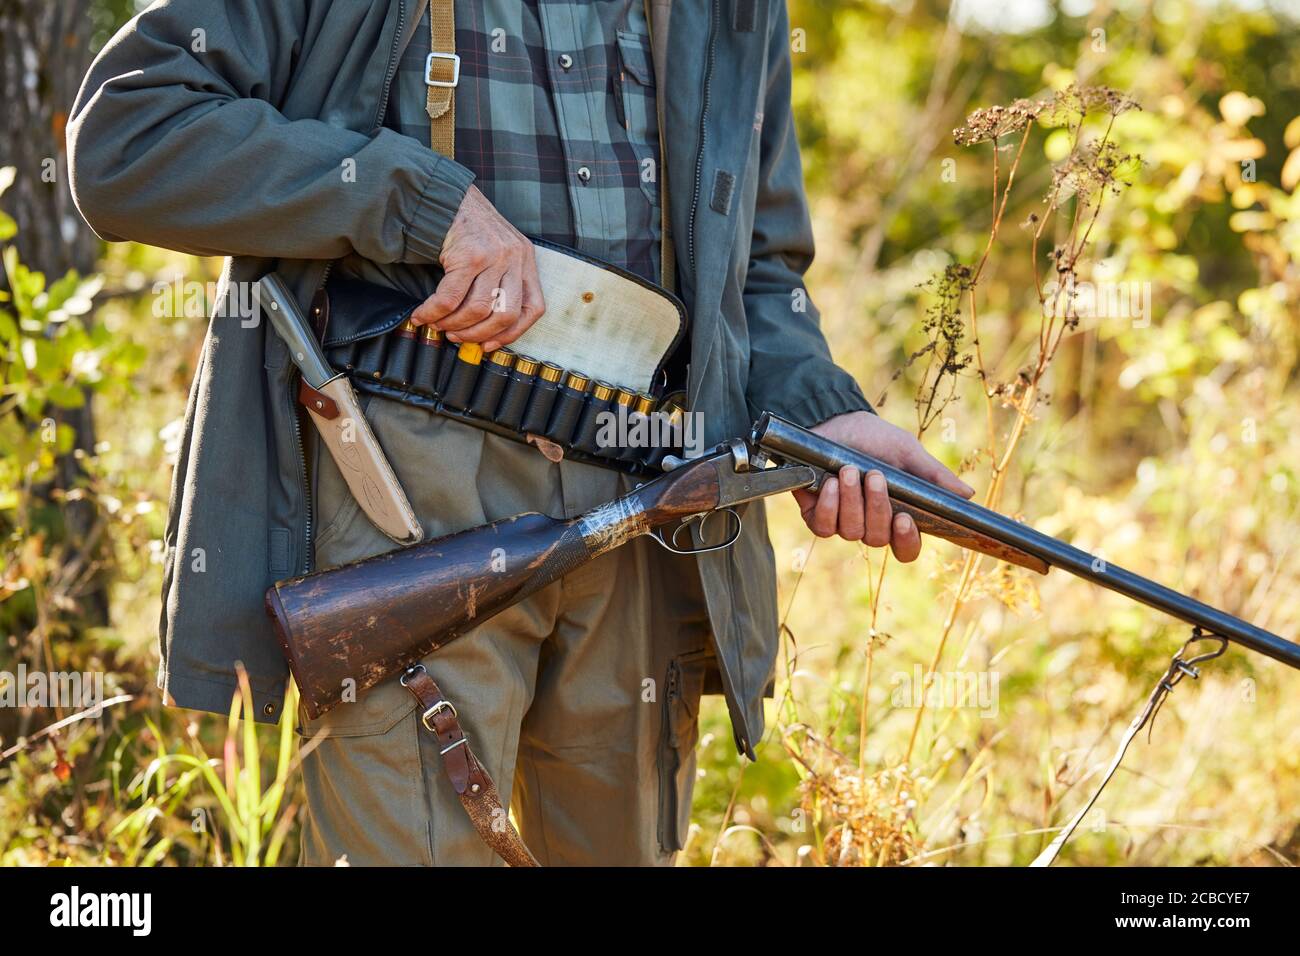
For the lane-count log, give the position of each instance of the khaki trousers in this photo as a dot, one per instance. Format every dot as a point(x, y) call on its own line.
point(582, 700)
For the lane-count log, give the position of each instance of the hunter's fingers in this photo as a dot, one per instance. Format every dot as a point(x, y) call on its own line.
point(504, 338)
point(806, 500)
point(507, 307)
point(446, 298)
point(906, 541)
point(879, 513)
point(479, 311)
point(822, 516)
point(851, 521)
point(531, 309)
point(534, 298)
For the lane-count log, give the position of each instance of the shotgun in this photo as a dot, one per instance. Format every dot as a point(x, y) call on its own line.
point(358, 624)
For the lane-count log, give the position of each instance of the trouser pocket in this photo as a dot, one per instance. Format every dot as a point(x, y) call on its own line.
point(367, 803)
point(678, 734)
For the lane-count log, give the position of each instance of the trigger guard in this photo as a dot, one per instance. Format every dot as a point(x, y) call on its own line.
point(673, 545)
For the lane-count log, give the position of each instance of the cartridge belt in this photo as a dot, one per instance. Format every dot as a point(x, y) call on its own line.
point(370, 337)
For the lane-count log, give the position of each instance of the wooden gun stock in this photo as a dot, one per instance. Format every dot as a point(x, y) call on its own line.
point(364, 622)
point(370, 620)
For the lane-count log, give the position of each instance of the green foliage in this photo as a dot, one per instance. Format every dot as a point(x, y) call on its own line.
point(213, 810)
point(57, 351)
point(51, 352)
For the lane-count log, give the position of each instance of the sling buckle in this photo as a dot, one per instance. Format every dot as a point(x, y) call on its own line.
point(433, 712)
point(455, 69)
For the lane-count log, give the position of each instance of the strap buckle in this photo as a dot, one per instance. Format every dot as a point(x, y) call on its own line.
point(455, 69)
point(434, 711)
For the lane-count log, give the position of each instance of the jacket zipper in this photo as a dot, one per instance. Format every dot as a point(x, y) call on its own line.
point(704, 132)
point(309, 559)
point(392, 63)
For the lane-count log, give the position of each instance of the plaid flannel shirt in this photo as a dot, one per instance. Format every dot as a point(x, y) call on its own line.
point(555, 116)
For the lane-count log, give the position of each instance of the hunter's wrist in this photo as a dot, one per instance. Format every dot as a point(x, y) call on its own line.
point(436, 209)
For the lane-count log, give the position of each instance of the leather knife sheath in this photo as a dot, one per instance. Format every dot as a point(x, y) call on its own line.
point(343, 428)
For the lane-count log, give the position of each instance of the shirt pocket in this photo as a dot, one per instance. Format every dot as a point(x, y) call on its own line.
point(634, 98)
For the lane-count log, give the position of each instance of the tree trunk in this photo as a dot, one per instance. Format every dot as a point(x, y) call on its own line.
point(44, 53)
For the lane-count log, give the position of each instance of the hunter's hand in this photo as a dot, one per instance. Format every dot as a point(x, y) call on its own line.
point(490, 292)
point(856, 507)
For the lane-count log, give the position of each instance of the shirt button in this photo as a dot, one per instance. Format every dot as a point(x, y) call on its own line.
point(584, 174)
point(565, 61)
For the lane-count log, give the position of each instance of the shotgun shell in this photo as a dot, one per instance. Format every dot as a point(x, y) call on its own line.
point(665, 431)
point(586, 436)
point(428, 357)
point(638, 405)
point(546, 387)
point(568, 407)
point(464, 374)
point(491, 383)
point(401, 355)
point(514, 400)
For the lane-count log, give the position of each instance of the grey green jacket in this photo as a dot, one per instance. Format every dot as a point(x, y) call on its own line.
point(224, 127)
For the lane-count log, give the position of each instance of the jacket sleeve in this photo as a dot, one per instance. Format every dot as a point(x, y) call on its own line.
point(185, 149)
point(791, 372)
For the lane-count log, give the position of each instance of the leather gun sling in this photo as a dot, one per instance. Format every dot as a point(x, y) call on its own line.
point(477, 793)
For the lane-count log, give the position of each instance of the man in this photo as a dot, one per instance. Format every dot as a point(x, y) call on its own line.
point(294, 134)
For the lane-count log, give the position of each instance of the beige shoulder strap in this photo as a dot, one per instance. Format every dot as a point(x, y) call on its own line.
point(441, 74)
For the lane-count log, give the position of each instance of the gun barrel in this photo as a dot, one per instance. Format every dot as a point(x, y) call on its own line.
point(791, 442)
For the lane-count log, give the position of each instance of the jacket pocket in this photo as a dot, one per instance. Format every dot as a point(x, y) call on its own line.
point(634, 99)
point(678, 734)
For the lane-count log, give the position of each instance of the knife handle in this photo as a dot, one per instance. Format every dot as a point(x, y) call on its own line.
point(276, 300)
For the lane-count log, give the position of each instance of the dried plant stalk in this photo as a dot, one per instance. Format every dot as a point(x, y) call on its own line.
point(865, 816)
